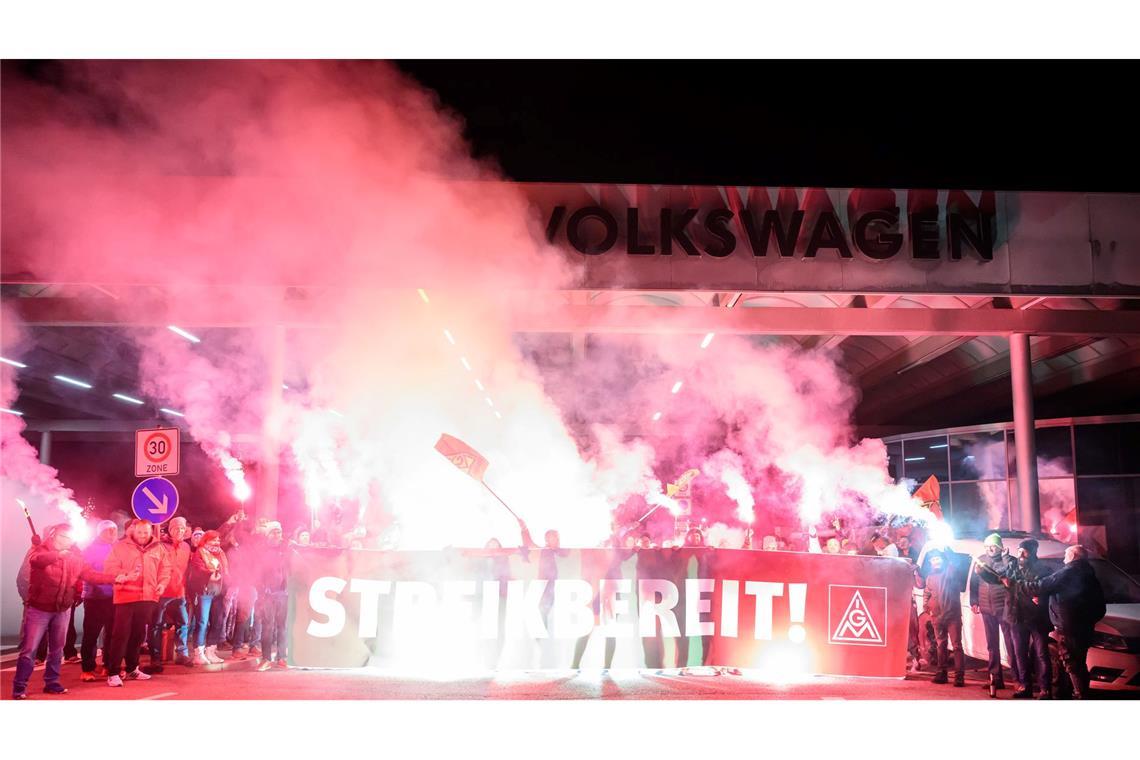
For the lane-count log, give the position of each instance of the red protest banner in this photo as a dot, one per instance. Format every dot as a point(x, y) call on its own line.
point(792, 612)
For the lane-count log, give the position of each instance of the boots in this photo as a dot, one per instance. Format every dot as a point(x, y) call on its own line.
point(199, 658)
point(940, 677)
point(212, 656)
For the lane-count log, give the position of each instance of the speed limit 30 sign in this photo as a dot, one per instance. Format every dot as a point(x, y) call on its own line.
point(156, 452)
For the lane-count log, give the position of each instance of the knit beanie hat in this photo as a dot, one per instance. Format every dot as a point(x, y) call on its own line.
point(1030, 546)
point(992, 539)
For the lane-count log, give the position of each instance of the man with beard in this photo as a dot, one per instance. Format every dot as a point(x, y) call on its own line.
point(144, 561)
point(990, 599)
point(1030, 624)
point(1076, 603)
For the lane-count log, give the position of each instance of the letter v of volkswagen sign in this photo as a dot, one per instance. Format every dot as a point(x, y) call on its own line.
point(155, 500)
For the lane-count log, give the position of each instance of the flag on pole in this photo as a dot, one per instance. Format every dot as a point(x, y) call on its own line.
point(462, 456)
point(928, 493)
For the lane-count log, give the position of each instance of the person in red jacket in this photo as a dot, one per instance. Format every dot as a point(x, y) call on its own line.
point(173, 598)
point(56, 573)
point(205, 582)
point(144, 560)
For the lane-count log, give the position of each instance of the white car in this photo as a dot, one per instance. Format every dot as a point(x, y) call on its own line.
point(1114, 658)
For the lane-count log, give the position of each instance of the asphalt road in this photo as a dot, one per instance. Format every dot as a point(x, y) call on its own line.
point(240, 680)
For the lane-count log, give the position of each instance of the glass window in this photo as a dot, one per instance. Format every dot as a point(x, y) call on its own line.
point(894, 460)
point(923, 457)
point(1054, 452)
point(1058, 500)
point(1110, 518)
point(977, 456)
point(978, 507)
point(1108, 449)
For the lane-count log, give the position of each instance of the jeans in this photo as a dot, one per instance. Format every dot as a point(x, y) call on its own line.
point(255, 630)
point(181, 627)
point(68, 644)
point(993, 623)
point(274, 614)
point(208, 620)
point(229, 615)
point(950, 630)
point(1032, 648)
point(98, 615)
point(37, 624)
point(245, 607)
point(127, 634)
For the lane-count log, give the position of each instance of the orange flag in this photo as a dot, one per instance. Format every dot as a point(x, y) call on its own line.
point(462, 456)
point(928, 494)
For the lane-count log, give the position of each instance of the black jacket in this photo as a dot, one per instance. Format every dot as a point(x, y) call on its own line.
point(274, 568)
point(1023, 610)
point(1076, 600)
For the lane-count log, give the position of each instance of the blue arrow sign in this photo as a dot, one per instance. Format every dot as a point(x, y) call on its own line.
point(155, 500)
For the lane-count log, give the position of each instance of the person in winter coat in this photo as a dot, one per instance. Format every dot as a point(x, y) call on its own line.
point(273, 597)
point(1030, 619)
point(205, 583)
point(55, 574)
point(98, 602)
point(1076, 603)
point(244, 562)
point(173, 600)
point(990, 599)
point(140, 555)
point(942, 600)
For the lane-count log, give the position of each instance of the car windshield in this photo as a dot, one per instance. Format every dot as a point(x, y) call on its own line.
point(1118, 588)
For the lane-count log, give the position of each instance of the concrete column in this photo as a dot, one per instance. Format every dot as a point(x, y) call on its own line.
point(1021, 372)
point(45, 447)
point(269, 468)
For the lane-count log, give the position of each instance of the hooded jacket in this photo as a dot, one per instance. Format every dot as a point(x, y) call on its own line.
point(1076, 600)
point(56, 576)
point(152, 563)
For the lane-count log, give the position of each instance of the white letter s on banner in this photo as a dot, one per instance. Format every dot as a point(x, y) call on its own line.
point(321, 604)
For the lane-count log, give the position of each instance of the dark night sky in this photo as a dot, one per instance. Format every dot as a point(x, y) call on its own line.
point(982, 125)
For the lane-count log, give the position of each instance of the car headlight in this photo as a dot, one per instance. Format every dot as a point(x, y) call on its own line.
point(1109, 641)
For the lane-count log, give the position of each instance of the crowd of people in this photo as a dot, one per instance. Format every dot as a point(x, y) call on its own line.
point(188, 593)
point(1021, 603)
